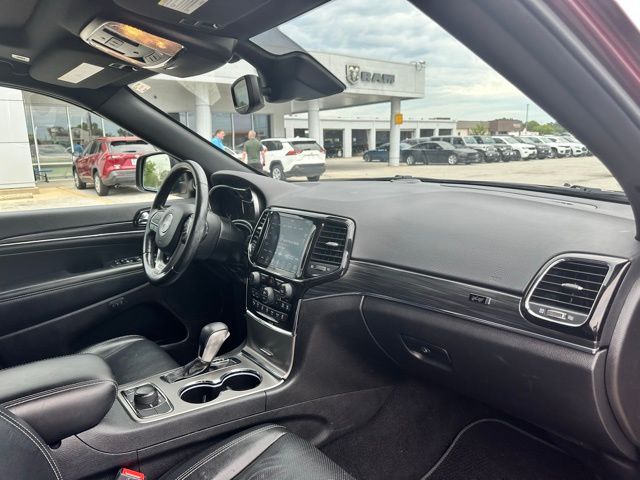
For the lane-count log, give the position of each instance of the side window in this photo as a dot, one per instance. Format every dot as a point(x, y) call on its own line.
point(87, 149)
point(53, 159)
point(269, 145)
point(457, 141)
point(277, 145)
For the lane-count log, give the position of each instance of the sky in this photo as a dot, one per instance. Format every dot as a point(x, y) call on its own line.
point(458, 83)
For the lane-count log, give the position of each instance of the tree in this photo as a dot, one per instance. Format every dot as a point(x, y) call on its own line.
point(478, 129)
point(532, 126)
point(550, 128)
point(546, 129)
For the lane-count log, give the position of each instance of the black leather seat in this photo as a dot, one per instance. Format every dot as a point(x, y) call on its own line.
point(133, 358)
point(269, 452)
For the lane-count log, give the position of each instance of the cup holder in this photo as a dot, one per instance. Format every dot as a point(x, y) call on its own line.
point(241, 381)
point(205, 392)
point(200, 393)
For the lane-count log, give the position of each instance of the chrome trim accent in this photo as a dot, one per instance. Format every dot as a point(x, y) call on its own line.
point(75, 237)
point(269, 325)
point(616, 265)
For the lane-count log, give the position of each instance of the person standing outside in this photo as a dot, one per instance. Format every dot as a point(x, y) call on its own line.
point(253, 151)
point(217, 139)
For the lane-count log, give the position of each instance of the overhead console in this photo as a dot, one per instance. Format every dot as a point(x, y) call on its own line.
point(290, 251)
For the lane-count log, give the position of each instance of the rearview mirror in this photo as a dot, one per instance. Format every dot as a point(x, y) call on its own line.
point(151, 170)
point(247, 94)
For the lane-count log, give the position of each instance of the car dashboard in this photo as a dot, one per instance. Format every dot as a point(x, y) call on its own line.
point(517, 298)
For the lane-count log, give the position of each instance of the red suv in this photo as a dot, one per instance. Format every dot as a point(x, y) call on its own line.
point(107, 162)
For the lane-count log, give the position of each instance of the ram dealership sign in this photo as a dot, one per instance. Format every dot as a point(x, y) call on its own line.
point(355, 74)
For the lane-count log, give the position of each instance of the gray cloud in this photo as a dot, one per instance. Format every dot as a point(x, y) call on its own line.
point(458, 83)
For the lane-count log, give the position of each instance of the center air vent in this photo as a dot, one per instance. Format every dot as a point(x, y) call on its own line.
point(569, 288)
point(257, 233)
point(329, 248)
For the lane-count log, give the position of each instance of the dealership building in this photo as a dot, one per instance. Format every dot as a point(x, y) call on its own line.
point(41, 133)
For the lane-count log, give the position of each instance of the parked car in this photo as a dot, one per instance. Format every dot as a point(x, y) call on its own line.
point(506, 151)
point(577, 149)
point(573, 139)
point(440, 152)
point(524, 151)
point(557, 150)
point(231, 152)
point(108, 162)
point(295, 157)
point(381, 153)
point(488, 153)
point(543, 149)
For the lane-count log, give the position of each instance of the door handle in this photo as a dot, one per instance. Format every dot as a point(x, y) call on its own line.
point(141, 218)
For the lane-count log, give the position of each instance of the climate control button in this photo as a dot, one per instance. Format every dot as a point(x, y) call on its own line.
point(255, 278)
point(267, 295)
point(286, 289)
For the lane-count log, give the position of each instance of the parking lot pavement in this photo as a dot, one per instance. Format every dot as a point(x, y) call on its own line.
point(62, 194)
point(588, 171)
point(581, 171)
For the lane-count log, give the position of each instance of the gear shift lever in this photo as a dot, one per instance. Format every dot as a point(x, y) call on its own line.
point(212, 336)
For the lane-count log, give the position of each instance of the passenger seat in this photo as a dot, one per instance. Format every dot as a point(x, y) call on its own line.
point(268, 451)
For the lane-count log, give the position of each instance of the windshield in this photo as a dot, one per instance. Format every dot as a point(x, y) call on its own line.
point(405, 79)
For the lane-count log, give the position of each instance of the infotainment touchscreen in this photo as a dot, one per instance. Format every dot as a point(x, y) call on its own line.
point(285, 243)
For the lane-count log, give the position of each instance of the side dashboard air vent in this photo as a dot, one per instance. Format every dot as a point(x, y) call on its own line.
point(257, 233)
point(568, 290)
point(328, 250)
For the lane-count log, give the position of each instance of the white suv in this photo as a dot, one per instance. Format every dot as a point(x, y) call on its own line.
point(524, 150)
point(557, 149)
point(294, 157)
point(577, 149)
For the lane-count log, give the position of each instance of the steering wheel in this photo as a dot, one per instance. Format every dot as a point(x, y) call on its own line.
point(174, 233)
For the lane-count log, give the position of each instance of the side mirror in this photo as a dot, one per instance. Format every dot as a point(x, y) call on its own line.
point(151, 170)
point(247, 94)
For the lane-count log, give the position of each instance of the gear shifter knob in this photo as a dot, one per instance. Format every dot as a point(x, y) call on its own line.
point(212, 337)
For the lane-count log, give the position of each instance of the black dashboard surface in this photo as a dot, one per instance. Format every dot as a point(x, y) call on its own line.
point(422, 250)
point(493, 237)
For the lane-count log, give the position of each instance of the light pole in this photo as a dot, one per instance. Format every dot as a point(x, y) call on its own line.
point(526, 117)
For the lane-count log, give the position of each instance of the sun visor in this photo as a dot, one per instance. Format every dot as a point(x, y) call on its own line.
point(79, 67)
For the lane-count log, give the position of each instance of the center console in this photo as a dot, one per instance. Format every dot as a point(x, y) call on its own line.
point(289, 251)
